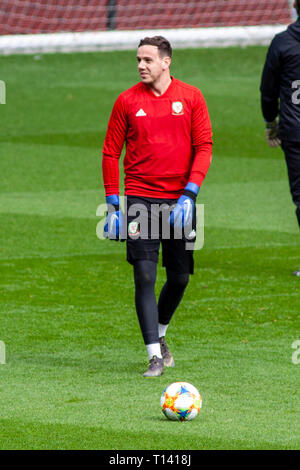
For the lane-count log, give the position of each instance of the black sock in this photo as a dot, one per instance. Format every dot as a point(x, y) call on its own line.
point(145, 300)
point(171, 295)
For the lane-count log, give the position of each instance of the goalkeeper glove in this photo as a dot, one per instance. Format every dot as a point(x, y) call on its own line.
point(114, 223)
point(182, 214)
point(272, 133)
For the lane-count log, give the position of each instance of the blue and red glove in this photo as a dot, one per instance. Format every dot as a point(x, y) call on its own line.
point(182, 214)
point(114, 223)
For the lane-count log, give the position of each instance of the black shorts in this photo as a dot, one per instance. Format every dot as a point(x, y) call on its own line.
point(146, 231)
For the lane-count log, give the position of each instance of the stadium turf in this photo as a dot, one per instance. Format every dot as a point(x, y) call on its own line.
point(74, 353)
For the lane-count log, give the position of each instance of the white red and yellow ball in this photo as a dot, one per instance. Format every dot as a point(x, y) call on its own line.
point(181, 401)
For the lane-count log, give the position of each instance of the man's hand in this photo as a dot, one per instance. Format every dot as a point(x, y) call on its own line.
point(182, 214)
point(114, 223)
point(272, 134)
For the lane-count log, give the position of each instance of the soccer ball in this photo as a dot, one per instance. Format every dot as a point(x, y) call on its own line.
point(181, 401)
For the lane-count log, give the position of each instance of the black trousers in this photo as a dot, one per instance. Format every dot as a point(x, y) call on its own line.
point(292, 157)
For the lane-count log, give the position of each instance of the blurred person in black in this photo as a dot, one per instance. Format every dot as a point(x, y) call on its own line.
point(280, 98)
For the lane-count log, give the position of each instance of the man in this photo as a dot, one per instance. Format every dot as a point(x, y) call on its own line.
point(281, 81)
point(167, 130)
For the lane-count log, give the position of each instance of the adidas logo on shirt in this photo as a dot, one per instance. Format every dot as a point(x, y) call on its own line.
point(141, 112)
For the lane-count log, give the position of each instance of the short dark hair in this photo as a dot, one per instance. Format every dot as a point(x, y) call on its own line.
point(163, 45)
point(298, 7)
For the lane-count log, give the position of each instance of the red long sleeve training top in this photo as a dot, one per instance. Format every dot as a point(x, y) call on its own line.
point(168, 141)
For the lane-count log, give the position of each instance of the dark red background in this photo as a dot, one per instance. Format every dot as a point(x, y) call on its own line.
point(47, 16)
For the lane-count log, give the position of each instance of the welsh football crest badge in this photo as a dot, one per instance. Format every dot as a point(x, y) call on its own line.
point(177, 107)
point(133, 229)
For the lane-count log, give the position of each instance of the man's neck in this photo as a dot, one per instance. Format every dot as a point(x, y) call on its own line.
point(161, 87)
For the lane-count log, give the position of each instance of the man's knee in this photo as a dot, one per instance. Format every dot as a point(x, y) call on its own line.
point(177, 280)
point(144, 273)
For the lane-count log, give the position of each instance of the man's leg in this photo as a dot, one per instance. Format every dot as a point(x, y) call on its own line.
point(142, 253)
point(170, 297)
point(179, 264)
point(145, 301)
point(146, 307)
point(292, 157)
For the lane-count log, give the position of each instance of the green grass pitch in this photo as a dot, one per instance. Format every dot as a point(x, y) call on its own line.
point(74, 352)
